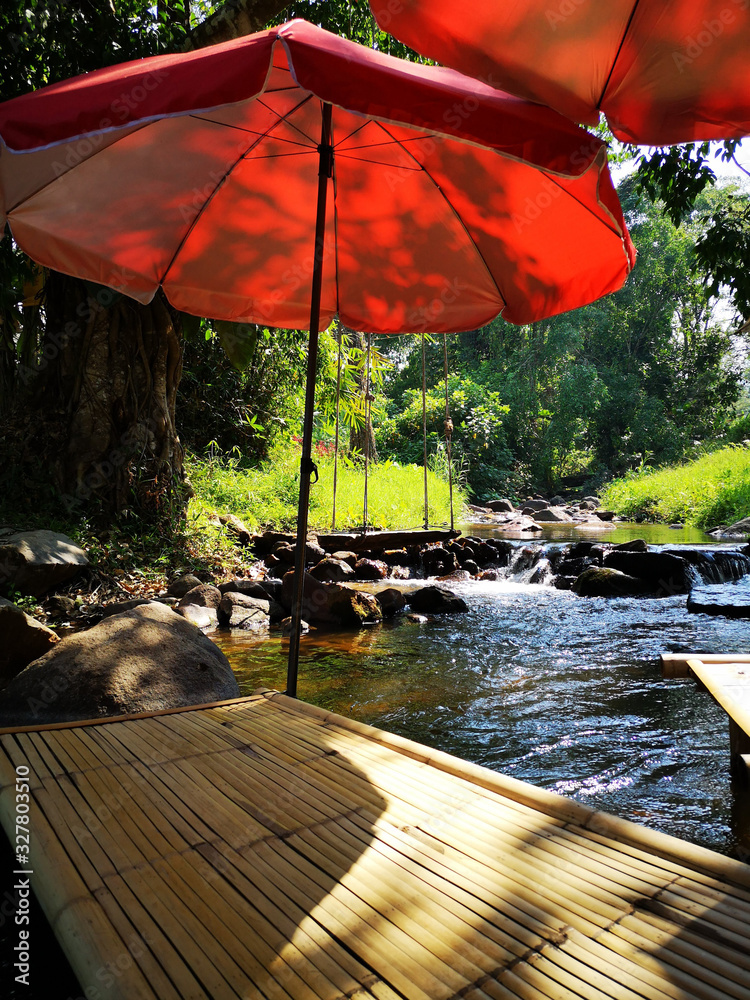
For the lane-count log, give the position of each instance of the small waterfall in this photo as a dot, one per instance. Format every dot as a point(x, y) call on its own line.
point(718, 566)
point(529, 564)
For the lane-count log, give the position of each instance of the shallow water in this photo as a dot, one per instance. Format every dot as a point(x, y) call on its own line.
point(557, 690)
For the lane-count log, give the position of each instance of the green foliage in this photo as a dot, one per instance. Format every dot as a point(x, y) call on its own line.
point(43, 42)
point(351, 19)
point(246, 409)
point(643, 373)
point(713, 489)
point(479, 444)
point(355, 371)
point(739, 429)
point(723, 250)
point(679, 177)
point(267, 495)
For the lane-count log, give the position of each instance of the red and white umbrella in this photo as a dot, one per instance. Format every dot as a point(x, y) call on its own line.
point(292, 176)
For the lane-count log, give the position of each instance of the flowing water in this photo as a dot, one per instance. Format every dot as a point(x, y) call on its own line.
point(560, 691)
point(557, 690)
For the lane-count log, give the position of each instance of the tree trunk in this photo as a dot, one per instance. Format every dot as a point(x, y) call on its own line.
point(109, 379)
point(363, 436)
point(233, 20)
point(97, 412)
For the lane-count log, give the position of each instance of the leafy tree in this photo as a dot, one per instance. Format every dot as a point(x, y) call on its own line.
point(480, 447)
point(635, 377)
point(677, 176)
point(92, 376)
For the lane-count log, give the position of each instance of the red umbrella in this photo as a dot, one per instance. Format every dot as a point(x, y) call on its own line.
point(662, 71)
point(292, 176)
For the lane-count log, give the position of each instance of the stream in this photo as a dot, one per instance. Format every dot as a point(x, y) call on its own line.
point(561, 691)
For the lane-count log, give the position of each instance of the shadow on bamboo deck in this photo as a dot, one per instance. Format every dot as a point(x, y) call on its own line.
point(263, 848)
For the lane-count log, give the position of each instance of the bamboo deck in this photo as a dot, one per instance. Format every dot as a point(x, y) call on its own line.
point(729, 685)
point(265, 849)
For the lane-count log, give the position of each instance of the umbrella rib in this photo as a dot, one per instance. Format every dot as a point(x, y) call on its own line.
point(447, 201)
point(280, 118)
point(617, 54)
point(249, 131)
point(612, 226)
point(220, 184)
point(377, 163)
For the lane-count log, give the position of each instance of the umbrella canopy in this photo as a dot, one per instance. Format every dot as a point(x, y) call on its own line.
point(292, 176)
point(662, 71)
point(450, 202)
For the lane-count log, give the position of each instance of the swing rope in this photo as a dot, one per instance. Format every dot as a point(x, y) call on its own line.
point(424, 438)
point(368, 401)
point(336, 444)
point(448, 426)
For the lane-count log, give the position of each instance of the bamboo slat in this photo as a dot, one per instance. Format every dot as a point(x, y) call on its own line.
point(268, 850)
point(659, 844)
point(676, 664)
point(729, 685)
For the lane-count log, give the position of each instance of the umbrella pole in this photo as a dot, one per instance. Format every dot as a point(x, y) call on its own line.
point(307, 466)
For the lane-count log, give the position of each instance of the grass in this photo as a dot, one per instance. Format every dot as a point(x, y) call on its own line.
point(712, 490)
point(267, 496)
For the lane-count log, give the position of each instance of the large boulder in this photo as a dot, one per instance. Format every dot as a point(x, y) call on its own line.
point(332, 604)
point(500, 506)
point(531, 506)
point(555, 515)
point(437, 561)
point(313, 552)
point(391, 601)
point(37, 561)
point(436, 601)
point(370, 569)
point(24, 639)
point(634, 545)
point(205, 595)
point(598, 581)
point(199, 615)
point(285, 552)
point(117, 607)
point(240, 585)
point(398, 557)
point(503, 550)
point(332, 570)
point(724, 601)
point(180, 586)
point(244, 612)
point(664, 574)
point(144, 660)
point(738, 530)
